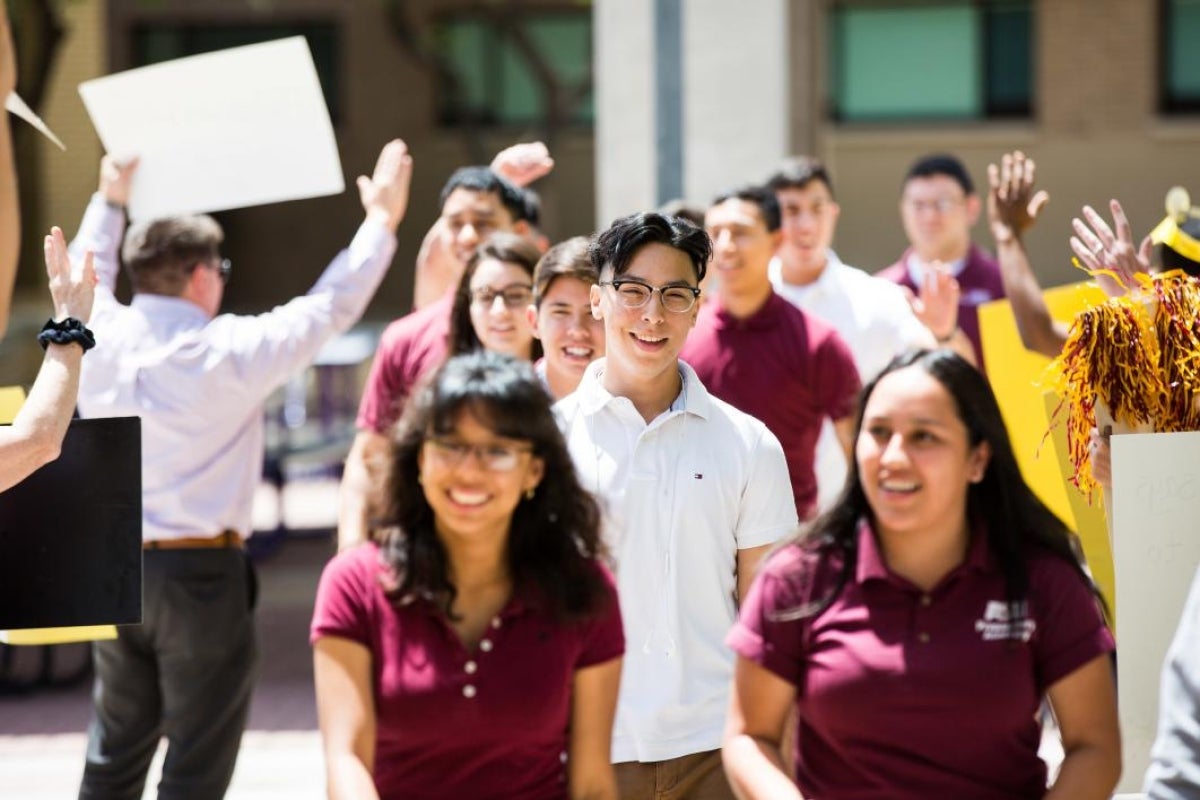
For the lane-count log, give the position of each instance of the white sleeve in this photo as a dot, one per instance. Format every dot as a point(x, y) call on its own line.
point(1174, 772)
point(768, 509)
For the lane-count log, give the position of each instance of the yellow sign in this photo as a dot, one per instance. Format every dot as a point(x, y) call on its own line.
point(1015, 373)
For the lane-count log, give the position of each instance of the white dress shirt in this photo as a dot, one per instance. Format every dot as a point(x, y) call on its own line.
point(199, 384)
point(875, 320)
point(681, 496)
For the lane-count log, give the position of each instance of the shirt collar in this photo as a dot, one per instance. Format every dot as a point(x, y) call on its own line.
point(593, 396)
point(825, 283)
point(173, 309)
point(765, 317)
point(871, 565)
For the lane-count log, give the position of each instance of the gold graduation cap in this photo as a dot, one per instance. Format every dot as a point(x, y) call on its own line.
point(1169, 233)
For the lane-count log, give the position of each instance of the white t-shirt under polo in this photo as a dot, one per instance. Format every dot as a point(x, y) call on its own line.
point(875, 320)
point(681, 496)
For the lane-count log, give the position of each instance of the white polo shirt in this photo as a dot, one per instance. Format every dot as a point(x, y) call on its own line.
point(681, 496)
point(875, 320)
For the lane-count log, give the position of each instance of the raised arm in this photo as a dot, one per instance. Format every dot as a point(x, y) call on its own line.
point(1013, 208)
point(936, 307)
point(10, 215)
point(1110, 255)
point(36, 434)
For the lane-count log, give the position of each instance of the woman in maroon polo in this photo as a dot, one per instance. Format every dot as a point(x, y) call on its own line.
point(473, 648)
point(918, 625)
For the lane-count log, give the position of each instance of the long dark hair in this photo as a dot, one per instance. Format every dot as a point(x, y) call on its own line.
point(507, 248)
point(553, 537)
point(1016, 522)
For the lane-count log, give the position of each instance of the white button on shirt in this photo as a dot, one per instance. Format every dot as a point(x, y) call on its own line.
point(876, 322)
point(199, 384)
point(681, 496)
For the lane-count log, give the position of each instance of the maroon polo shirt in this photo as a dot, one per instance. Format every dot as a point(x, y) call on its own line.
point(410, 347)
point(979, 282)
point(907, 694)
point(789, 369)
point(486, 723)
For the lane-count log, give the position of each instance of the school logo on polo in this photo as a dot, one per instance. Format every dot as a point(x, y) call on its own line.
point(997, 623)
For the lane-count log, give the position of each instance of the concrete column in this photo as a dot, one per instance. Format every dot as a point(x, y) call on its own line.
point(626, 164)
point(736, 101)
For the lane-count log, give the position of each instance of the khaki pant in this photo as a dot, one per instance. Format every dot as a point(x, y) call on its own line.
point(699, 776)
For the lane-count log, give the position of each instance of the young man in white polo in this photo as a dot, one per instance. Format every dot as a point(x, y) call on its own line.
point(695, 492)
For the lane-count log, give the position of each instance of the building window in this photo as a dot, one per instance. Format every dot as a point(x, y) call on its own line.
point(155, 42)
point(1180, 58)
point(515, 67)
point(948, 60)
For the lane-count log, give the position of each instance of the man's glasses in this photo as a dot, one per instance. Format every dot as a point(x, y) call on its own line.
point(515, 297)
point(225, 269)
point(493, 457)
point(635, 294)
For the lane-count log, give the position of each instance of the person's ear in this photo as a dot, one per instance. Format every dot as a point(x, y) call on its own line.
point(594, 299)
point(973, 208)
point(981, 456)
point(531, 314)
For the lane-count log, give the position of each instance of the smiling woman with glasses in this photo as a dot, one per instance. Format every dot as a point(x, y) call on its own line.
point(475, 643)
point(490, 305)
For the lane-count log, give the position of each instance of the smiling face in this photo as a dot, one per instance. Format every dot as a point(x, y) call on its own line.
point(499, 327)
point(808, 220)
point(938, 216)
point(915, 459)
point(642, 344)
point(472, 502)
point(571, 337)
point(469, 217)
point(742, 246)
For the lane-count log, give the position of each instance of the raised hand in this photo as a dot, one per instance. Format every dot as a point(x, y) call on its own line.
point(116, 178)
point(1013, 205)
point(72, 289)
point(936, 305)
point(523, 163)
point(1099, 248)
point(384, 195)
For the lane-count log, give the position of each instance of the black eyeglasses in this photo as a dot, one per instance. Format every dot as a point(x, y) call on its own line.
point(225, 269)
point(635, 294)
point(516, 296)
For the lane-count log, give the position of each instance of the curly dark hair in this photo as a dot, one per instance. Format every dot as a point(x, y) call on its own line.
point(554, 537)
point(509, 248)
point(1016, 521)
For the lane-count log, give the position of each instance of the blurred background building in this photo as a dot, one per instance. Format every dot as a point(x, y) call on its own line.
point(645, 100)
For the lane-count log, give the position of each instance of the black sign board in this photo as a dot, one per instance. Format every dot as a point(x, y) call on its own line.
point(71, 533)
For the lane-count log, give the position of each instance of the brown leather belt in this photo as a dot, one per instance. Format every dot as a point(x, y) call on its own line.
point(225, 538)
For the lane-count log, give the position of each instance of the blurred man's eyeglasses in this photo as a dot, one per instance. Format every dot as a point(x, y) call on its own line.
point(225, 269)
point(515, 297)
point(940, 205)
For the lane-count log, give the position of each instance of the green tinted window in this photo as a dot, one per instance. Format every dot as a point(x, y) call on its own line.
point(948, 60)
point(1181, 56)
point(505, 72)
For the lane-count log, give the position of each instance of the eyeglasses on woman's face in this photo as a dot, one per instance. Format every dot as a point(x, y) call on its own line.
point(494, 457)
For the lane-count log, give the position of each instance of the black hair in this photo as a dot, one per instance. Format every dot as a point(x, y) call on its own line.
point(761, 196)
point(508, 248)
point(1016, 522)
point(554, 536)
point(483, 179)
point(617, 245)
point(798, 172)
point(1173, 259)
point(567, 259)
point(942, 164)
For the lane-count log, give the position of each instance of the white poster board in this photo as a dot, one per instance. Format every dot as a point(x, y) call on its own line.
point(235, 128)
point(1155, 505)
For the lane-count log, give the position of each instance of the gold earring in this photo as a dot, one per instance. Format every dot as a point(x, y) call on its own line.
point(529, 493)
point(420, 479)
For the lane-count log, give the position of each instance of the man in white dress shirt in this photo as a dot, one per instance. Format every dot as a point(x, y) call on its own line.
point(198, 380)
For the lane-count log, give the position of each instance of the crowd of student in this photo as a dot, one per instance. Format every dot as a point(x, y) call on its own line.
point(675, 510)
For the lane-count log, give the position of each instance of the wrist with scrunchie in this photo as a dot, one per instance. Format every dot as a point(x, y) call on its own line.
point(66, 331)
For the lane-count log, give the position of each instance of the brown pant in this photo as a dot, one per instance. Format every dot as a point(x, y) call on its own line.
point(699, 776)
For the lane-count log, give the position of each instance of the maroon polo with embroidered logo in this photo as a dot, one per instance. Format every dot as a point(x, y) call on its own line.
point(489, 722)
point(910, 694)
